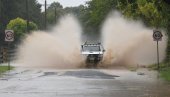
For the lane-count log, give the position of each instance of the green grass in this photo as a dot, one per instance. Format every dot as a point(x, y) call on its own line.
point(155, 66)
point(165, 73)
point(4, 69)
point(164, 70)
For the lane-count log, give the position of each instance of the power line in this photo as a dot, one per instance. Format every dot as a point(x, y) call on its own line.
point(45, 14)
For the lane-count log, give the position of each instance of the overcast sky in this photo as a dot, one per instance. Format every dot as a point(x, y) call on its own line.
point(65, 3)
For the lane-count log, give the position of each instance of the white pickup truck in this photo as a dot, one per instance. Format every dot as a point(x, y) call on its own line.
point(93, 52)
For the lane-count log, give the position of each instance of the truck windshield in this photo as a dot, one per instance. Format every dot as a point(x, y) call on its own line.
point(91, 48)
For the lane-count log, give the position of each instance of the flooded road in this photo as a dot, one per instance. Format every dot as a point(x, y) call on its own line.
point(24, 82)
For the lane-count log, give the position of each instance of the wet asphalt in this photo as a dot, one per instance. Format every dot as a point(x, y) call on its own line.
point(24, 82)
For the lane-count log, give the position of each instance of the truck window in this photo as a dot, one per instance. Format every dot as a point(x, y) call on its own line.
point(91, 48)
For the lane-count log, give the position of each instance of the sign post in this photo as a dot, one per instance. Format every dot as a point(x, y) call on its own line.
point(157, 36)
point(9, 37)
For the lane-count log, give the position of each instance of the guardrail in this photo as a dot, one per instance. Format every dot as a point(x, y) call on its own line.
point(7, 54)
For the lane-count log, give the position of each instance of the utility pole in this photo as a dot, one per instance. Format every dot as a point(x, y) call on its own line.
point(45, 14)
point(0, 14)
point(55, 15)
point(27, 15)
point(0, 24)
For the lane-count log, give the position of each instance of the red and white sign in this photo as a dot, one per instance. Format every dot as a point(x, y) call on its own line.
point(9, 35)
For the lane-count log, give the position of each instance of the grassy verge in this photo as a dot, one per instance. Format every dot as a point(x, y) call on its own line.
point(165, 73)
point(155, 66)
point(164, 70)
point(4, 69)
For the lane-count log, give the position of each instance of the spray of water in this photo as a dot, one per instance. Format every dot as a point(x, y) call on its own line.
point(129, 42)
point(126, 43)
point(59, 48)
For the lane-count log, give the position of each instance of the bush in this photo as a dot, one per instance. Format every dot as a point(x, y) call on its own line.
point(19, 26)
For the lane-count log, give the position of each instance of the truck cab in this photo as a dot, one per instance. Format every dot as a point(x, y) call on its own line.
point(93, 52)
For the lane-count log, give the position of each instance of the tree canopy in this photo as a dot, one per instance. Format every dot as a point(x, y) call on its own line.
point(19, 26)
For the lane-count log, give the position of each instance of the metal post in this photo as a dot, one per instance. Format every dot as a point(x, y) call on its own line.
point(8, 56)
point(158, 54)
point(45, 14)
point(27, 15)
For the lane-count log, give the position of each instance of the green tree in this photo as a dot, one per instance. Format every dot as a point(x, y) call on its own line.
point(54, 11)
point(97, 11)
point(19, 26)
point(154, 13)
point(11, 9)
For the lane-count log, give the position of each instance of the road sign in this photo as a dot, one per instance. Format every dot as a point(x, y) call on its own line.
point(157, 35)
point(9, 35)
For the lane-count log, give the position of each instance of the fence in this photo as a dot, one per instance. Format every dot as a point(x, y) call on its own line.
point(7, 54)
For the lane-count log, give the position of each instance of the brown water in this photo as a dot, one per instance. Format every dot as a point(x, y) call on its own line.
point(24, 82)
point(129, 42)
point(58, 48)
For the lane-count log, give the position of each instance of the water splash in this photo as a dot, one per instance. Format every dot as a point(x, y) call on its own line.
point(129, 42)
point(58, 48)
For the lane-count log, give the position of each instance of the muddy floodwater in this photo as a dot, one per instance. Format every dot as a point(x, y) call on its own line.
point(25, 82)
